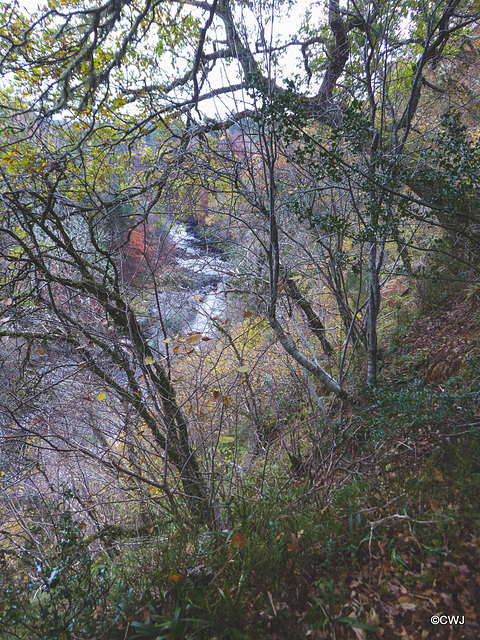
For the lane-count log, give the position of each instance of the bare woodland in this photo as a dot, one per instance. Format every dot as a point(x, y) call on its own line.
point(326, 174)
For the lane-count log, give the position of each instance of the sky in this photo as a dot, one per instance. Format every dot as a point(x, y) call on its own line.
point(287, 23)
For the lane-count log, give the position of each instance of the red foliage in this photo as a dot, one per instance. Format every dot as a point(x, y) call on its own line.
point(141, 253)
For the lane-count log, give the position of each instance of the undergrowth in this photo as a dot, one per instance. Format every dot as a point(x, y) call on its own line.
point(369, 530)
point(288, 568)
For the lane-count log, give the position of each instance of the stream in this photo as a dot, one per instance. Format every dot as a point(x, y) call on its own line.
point(190, 304)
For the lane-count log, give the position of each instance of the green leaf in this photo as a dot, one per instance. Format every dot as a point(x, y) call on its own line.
point(359, 625)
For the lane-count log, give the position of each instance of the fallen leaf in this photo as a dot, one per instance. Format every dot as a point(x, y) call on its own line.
point(438, 475)
point(360, 633)
point(97, 611)
point(293, 545)
point(238, 540)
point(175, 577)
point(447, 599)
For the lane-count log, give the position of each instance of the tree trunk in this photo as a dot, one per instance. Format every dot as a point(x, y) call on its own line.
point(373, 308)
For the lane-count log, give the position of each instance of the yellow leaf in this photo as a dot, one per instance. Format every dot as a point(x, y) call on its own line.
point(225, 439)
point(438, 475)
point(101, 396)
point(41, 351)
point(243, 369)
point(149, 360)
point(226, 402)
point(167, 340)
point(194, 338)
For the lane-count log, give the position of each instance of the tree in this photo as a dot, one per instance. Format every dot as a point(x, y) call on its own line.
point(67, 296)
point(362, 140)
point(350, 132)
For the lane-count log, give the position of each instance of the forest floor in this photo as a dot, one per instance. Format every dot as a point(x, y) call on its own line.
point(413, 566)
point(392, 552)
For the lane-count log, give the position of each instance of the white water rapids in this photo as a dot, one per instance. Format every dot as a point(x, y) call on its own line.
point(190, 306)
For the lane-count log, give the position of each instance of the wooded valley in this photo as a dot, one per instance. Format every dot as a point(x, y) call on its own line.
point(239, 320)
